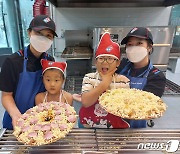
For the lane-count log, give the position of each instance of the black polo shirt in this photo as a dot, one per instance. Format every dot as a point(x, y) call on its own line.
point(156, 79)
point(13, 66)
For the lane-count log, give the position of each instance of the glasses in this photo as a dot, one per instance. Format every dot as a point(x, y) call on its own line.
point(109, 60)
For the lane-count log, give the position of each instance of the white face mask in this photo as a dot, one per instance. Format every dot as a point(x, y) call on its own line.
point(136, 53)
point(40, 43)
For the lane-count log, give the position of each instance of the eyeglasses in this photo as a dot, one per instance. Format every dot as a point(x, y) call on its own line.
point(109, 60)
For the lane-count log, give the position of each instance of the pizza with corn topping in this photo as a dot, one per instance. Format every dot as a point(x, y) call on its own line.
point(132, 104)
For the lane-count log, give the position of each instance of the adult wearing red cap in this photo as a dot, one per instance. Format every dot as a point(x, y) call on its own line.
point(20, 78)
point(138, 67)
point(53, 79)
point(107, 58)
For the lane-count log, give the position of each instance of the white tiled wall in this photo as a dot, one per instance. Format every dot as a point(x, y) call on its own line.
point(83, 18)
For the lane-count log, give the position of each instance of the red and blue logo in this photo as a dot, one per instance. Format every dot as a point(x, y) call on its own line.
point(109, 48)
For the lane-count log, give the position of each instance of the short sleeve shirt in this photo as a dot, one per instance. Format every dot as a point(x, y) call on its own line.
point(91, 80)
point(13, 66)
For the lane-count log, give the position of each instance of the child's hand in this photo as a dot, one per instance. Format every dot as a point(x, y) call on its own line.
point(123, 81)
point(107, 78)
point(122, 78)
point(77, 97)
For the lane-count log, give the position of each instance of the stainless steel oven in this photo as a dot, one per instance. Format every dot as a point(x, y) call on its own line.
point(78, 52)
point(162, 37)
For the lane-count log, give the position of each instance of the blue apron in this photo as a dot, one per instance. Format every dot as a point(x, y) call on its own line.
point(138, 82)
point(30, 83)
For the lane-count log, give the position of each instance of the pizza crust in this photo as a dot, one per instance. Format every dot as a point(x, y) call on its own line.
point(132, 104)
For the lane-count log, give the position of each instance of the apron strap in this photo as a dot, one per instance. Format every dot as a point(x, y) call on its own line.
point(143, 74)
point(97, 77)
point(148, 70)
point(25, 59)
point(125, 68)
point(62, 95)
point(45, 98)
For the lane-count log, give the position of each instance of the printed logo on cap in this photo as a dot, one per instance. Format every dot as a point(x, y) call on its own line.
point(46, 20)
point(50, 63)
point(133, 30)
point(109, 48)
point(46, 64)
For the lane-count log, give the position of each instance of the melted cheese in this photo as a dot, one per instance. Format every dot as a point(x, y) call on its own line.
point(132, 103)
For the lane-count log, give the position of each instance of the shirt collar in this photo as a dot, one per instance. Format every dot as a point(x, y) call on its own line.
point(138, 71)
point(142, 68)
point(31, 55)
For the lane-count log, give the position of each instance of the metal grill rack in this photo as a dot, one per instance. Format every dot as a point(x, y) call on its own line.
point(91, 141)
point(75, 142)
point(77, 53)
point(171, 88)
point(73, 84)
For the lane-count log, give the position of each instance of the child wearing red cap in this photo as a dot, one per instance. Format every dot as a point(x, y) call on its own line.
point(53, 79)
point(107, 60)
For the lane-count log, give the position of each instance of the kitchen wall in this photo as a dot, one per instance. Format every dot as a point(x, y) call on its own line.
point(84, 18)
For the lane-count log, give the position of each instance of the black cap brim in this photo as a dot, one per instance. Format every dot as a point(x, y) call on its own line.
point(125, 40)
point(44, 27)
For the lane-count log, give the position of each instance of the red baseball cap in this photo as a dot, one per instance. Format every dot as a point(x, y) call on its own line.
point(107, 47)
point(46, 64)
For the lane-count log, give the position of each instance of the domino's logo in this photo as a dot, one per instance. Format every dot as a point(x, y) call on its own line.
point(50, 63)
point(46, 20)
point(109, 48)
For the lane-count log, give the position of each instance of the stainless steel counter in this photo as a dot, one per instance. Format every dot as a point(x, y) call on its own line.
point(100, 140)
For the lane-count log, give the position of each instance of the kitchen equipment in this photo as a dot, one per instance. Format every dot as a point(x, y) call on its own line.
point(162, 38)
point(112, 3)
point(171, 89)
point(78, 52)
point(73, 85)
point(153, 141)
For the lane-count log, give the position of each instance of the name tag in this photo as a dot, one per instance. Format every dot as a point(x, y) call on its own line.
point(136, 83)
